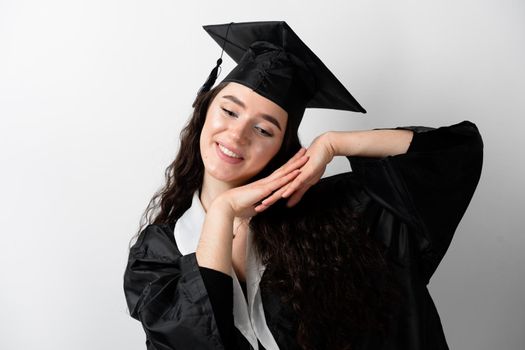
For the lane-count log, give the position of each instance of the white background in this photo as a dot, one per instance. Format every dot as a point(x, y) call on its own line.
point(93, 95)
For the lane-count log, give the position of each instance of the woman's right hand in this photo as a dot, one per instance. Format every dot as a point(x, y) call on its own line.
point(215, 245)
point(246, 201)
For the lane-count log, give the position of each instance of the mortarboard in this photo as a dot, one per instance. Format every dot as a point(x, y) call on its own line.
point(275, 63)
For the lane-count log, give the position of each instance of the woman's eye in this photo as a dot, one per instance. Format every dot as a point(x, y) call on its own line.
point(263, 131)
point(228, 112)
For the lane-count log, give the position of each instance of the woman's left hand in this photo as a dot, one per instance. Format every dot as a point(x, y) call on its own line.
point(320, 153)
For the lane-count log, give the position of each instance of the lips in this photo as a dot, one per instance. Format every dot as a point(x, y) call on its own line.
point(228, 154)
point(228, 151)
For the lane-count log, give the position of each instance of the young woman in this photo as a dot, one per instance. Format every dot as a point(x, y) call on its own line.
point(248, 248)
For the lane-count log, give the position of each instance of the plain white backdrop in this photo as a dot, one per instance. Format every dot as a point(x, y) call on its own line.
point(93, 95)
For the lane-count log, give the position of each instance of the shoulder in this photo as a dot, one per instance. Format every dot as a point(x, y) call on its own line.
point(156, 239)
point(332, 196)
point(340, 187)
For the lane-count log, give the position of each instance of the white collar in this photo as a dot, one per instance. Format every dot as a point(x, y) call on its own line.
point(188, 228)
point(248, 318)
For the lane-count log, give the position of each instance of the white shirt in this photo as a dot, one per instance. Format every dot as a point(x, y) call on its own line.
point(248, 316)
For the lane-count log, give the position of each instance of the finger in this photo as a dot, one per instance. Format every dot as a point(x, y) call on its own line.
point(269, 201)
point(298, 160)
point(297, 163)
point(280, 173)
point(291, 188)
point(278, 183)
point(295, 184)
point(284, 170)
point(273, 186)
point(275, 196)
point(296, 197)
point(278, 194)
point(261, 207)
point(307, 178)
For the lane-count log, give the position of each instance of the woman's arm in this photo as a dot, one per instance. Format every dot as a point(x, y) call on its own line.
point(429, 187)
point(215, 245)
point(370, 143)
point(165, 292)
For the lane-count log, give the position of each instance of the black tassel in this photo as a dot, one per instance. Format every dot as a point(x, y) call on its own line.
point(215, 71)
point(211, 78)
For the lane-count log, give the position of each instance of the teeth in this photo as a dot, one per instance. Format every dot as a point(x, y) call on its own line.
point(228, 152)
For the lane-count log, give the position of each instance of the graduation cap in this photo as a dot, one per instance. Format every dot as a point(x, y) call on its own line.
point(275, 63)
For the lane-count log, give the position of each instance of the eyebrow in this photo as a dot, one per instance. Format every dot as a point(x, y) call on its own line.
point(267, 117)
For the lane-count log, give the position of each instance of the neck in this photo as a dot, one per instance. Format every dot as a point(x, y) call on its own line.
point(211, 189)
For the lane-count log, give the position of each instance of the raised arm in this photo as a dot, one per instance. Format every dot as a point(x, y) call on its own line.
point(425, 176)
point(369, 143)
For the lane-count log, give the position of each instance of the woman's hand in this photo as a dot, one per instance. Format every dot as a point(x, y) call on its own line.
point(320, 153)
point(248, 200)
point(215, 245)
point(368, 143)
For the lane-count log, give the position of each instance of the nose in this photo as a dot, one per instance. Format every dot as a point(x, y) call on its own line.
point(239, 131)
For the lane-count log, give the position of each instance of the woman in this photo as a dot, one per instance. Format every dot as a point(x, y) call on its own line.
point(248, 248)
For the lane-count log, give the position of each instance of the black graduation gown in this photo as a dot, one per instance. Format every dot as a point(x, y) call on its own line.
point(413, 203)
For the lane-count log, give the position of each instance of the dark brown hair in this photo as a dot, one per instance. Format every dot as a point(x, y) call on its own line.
point(322, 262)
point(317, 260)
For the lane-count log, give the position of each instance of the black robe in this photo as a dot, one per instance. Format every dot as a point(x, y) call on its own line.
point(413, 202)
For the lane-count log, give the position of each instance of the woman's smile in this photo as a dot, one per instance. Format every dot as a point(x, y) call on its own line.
point(243, 131)
point(228, 155)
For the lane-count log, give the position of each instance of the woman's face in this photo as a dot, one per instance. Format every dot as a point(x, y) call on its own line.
point(243, 131)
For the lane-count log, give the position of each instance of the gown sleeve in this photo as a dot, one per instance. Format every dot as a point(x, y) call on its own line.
point(165, 292)
point(220, 291)
point(430, 186)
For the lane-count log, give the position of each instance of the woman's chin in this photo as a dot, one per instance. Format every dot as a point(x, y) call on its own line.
point(232, 175)
point(234, 180)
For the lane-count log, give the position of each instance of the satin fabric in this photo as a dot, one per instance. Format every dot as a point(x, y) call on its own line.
point(275, 63)
point(412, 203)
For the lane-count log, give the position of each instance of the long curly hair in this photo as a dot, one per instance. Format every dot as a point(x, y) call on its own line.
point(323, 263)
point(319, 261)
point(185, 174)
